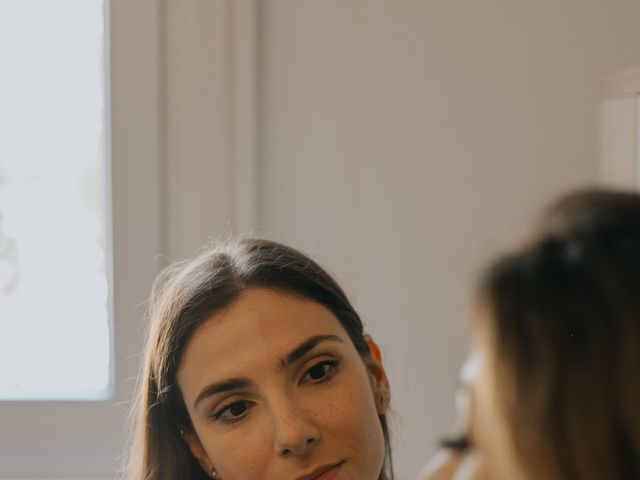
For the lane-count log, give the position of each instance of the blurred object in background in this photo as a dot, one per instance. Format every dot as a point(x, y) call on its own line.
point(619, 164)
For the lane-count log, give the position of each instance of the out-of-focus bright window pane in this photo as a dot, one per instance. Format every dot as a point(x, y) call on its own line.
point(54, 208)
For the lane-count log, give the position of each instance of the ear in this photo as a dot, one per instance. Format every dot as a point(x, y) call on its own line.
point(377, 376)
point(197, 450)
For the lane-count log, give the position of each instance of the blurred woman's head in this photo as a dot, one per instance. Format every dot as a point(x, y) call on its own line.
point(556, 342)
point(257, 367)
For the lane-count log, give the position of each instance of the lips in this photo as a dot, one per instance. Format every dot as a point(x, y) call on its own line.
point(325, 472)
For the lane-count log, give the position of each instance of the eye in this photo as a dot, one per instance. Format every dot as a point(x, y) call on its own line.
point(321, 372)
point(233, 412)
point(459, 444)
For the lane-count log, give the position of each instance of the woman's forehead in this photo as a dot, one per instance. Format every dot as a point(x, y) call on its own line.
point(256, 331)
point(261, 314)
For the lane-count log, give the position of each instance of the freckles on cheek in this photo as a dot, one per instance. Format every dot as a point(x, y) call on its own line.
point(348, 413)
point(249, 456)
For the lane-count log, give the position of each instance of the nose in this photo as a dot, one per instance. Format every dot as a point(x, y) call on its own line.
point(295, 433)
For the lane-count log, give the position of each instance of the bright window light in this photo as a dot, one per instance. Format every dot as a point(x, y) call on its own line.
point(54, 209)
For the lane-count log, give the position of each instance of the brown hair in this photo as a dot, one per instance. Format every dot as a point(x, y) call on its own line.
point(564, 328)
point(183, 297)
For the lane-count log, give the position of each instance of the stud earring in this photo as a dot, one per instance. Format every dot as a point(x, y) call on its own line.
point(213, 473)
point(385, 399)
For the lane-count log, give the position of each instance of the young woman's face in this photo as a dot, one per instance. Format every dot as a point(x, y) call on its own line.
point(277, 391)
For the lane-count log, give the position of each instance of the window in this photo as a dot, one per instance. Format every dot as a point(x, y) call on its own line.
point(54, 240)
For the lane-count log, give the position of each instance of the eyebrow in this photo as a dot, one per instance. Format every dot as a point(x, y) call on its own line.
point(305, 347)
point(242, 382)
point(221, 387)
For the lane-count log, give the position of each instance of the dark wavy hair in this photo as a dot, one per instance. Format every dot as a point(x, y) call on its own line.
point(183, 297)
point(564, 327)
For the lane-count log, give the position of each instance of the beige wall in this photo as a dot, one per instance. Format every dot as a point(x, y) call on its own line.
point(404, 142)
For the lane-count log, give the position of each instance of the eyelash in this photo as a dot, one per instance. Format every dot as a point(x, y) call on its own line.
point(459, 444)
point(328, 376)
point(218, 415)
point(333, 365)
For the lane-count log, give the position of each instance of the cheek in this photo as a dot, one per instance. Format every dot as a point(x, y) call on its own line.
point(347, 407)
point(348, 419)
point(240, 453)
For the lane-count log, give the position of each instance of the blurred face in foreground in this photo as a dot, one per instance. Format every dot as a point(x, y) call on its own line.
point(276, 390)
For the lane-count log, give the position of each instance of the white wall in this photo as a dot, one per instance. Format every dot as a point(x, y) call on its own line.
point(402, 143)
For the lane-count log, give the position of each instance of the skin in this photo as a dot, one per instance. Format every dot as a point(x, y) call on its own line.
point(291, 417)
